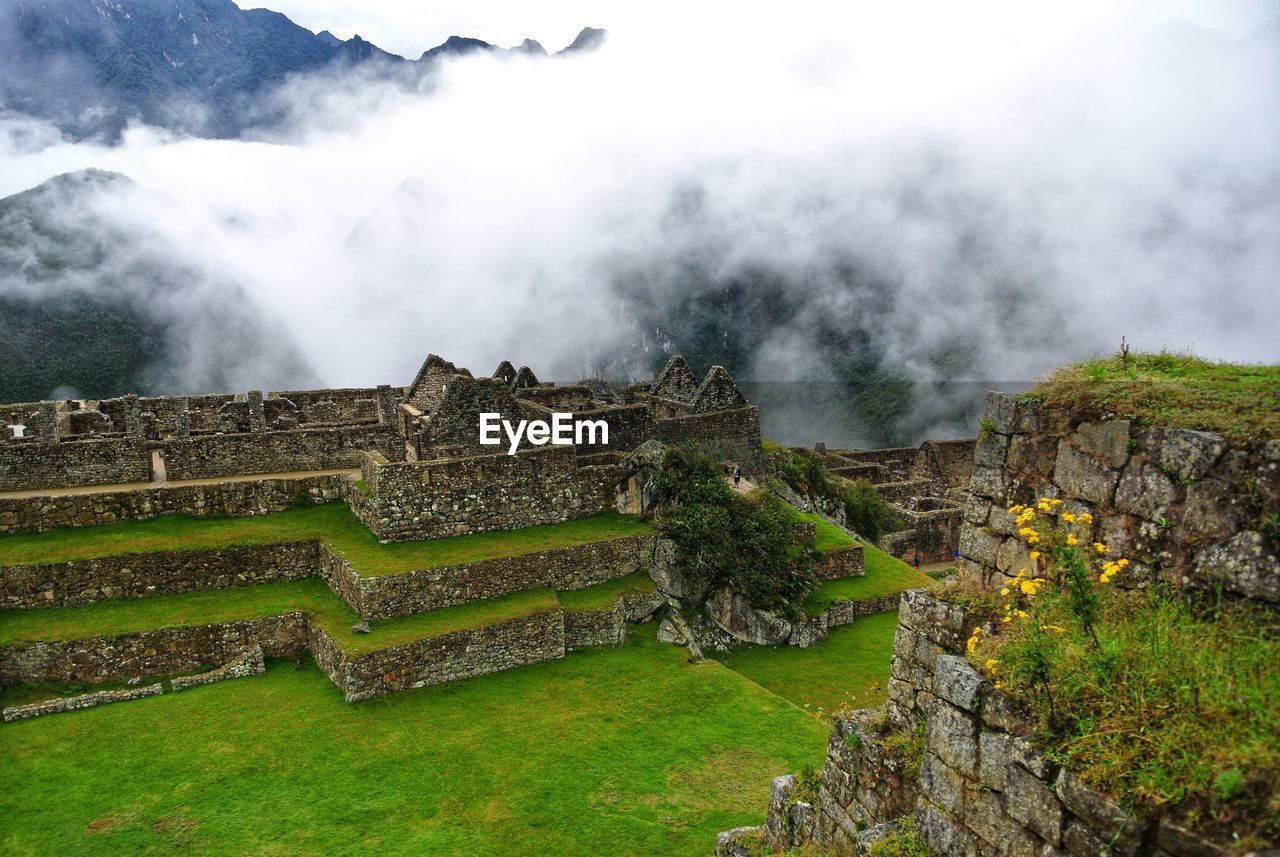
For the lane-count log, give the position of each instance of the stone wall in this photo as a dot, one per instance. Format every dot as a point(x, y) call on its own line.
point(934, 534)
point(303, 449)
point(847, 562)
point(30, 464)
point(76, 703)
point(982, 788)
point(1181, 505)
point(169, 651)
point(390, 595)
point(585, 628)
point(461, 654)
point(247, 664)
point(435, 499)
point(238, 499)
point(142, 575)
point(733, 435)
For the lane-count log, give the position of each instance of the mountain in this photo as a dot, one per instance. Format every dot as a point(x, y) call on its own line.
point(199, 67)
point(92, 301)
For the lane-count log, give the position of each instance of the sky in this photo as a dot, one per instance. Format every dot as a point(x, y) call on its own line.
point(1015, 183)
point(409, 27)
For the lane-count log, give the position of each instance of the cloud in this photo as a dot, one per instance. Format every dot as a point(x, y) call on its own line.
point(971, 193)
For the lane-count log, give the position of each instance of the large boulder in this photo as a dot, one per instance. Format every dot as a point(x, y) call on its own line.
point(735, 615)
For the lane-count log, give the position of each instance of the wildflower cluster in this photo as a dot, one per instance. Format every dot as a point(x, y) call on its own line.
point(1067, 571)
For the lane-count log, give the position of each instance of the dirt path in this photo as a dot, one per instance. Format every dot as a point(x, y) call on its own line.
point(746, 486)
point(352, 472)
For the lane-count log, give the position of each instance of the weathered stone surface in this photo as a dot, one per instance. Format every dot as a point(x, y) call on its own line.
point(1245, 565)
point(1208, 514)
point(1145, 490)
point(987, 482)
point(976, 510)
point(777, 819)
point(1178, 841)
point(1186, 454)
point(1003, 712)
point(990, 450)
point(1031, 802)
point(735, 615)
point(250, 663)
point(1031, 456)
point(942, 835)
point(1081, 475)
point(993, 758)
point(957, 682)
point(1079, 841)
point(669, 633)
point(1108, 822)
point(1014, 556)
point(952, 735)
point(806, 631)
point(1009, 415)
point(1106, 441)
point(979, 544)
point(941, 784)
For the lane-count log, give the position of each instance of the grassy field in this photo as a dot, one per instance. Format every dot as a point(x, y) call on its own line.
point(334, 524)
point(623, 751)
point(849, 669)
point(1173, 390)
point(886, 575)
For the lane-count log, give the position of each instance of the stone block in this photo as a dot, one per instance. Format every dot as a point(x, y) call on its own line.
point(942, 835)
point(1014, 556)
point(1001, 711)
point(1245, 565)
point(1103, 818)
point(1011, 416)
point(1177, 841)
point(1107, 441)
point(952, 735)
point(957, 682)
point(1030, 456)
point(941, 785)
point(979, 545)
point(777, 821)
point(1186, 454)
point(1079, 841)
point(1208, 514)
point(1145, 490)
point(1028, 800)
point(1083, 476)
point(993, 759)
point(976, 510)
point(987, 482)
point(990, 450)
point(1000, 521)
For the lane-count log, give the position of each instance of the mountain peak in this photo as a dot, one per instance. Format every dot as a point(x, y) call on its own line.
point(588, 40)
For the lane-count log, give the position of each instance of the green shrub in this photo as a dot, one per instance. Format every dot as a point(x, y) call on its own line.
point(747, 543)
point(866, 512)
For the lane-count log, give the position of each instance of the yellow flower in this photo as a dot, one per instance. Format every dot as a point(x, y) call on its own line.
point(1072, 540)
point(1044, 506)
point(1121, 563)
point(1068, 517)
point(1030, 587)
point(1022, 614)
point(1099, 547)
point(991, 664)
point(1085, 518)
point(1035, 554)
point(1033, 539)
point(1006, 619)
point(996, 685)
point(1004, 591)
point(1056, 501)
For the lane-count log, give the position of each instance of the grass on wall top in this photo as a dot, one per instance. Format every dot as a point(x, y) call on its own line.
point(334, 524)
point(827, 536)
point(1241, 402)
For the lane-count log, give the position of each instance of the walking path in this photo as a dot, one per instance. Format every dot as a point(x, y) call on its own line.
point(350, 472)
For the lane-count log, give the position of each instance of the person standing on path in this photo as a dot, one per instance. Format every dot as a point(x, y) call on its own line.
point(737, 475)
point(916, 561)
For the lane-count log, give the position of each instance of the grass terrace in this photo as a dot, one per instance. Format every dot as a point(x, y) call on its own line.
point(237, 603)
point(1240, 402)
point(603, 596)
point(885, 575)
point(334, 524)
point(827, 536)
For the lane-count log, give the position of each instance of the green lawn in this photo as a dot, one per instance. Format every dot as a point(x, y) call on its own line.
point(334, 524)
point(849, 669)
point(886, 575)
point(1174, 390)
point(621, 751)
point(827, 536)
